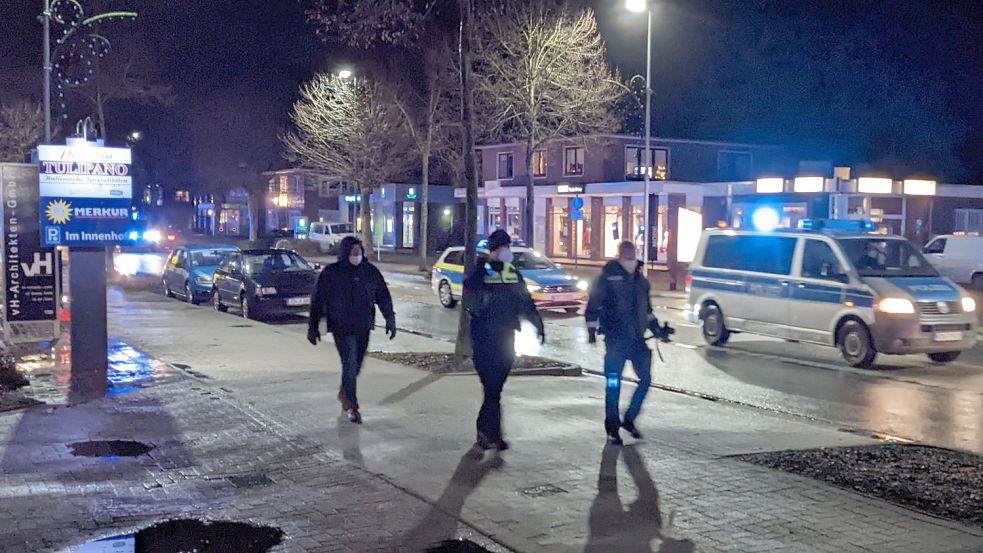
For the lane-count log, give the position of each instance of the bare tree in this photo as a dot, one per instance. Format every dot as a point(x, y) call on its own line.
point(125, 74)
point(542, 72)
point(429, 109)
point(349, 129)
point(21, 128)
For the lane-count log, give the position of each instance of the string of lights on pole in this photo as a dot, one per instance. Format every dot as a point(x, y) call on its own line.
point(78, 50)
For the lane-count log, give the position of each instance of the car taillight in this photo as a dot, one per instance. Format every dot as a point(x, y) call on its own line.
point(689, 282)
point(171, 237)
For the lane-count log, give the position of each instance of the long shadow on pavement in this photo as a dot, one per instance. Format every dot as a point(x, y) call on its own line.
point(412, 388)
point(441, 523)
point(611, 526)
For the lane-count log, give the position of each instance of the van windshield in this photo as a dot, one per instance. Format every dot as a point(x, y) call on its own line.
point(886, 257)
point(342, 228)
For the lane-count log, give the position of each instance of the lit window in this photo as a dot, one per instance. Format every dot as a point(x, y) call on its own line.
point(539, 163)
point(573, 161)
point(505, 166)
point(634, 163)
point(183, 196)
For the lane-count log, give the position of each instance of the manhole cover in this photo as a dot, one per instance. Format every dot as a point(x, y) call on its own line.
point(249, 480)
point(456, 546)
point(181, 536)
point(110, 448)
point(545, 490)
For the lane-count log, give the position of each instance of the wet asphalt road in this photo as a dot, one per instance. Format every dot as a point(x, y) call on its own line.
point(906, 396)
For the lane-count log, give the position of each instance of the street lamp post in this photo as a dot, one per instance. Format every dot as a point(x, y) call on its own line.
point(639, 6)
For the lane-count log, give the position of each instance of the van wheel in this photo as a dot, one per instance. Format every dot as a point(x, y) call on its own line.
point(714, 330)
point(977, 282)
point(446, 295)
point(856, 345)
point(944, 356)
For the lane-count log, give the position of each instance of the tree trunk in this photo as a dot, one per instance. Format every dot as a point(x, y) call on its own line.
point(100, 111)
point(462, 347)
point(365, 216)
point(425, 205)
point(530, 213)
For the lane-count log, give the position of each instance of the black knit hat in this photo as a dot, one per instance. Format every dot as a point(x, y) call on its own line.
point(498, 239)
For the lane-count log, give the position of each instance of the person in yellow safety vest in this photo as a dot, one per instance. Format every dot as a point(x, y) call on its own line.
point(496, 297)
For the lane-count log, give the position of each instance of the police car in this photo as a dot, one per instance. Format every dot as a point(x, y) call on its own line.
point(550, 286)
point(831, 283)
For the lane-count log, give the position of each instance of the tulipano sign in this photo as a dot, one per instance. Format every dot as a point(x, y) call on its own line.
point(86, 193)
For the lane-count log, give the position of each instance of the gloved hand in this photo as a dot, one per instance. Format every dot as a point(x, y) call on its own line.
point(591, 335)
point(663, 331)
point(391, 328)
point(313, 336)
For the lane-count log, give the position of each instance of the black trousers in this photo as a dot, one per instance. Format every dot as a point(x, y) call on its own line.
point(493, 358)
point(351, 348)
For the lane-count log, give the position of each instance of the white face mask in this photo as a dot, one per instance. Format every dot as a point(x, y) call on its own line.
point(629, 265)
point(505, 255)
point(355, 259)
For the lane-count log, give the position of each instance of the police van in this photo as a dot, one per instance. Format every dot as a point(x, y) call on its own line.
point(828, 283)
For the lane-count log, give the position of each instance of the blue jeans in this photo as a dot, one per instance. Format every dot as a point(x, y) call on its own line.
point(351, 349)
point(617, 352)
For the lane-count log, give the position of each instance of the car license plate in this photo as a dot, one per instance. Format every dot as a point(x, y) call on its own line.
point(952, 336)
point(569, 296)
point(293, 302)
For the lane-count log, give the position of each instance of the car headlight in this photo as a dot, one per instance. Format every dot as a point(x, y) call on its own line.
point(203, 280)
point(582, 285)
point(969, 304)
point(532, 288)
point(152, 236)
point(896, 306)
point(268, 291)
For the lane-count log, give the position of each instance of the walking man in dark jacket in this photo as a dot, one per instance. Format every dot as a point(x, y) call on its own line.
point(346, 295)
point(620, 308)
point(496, 296)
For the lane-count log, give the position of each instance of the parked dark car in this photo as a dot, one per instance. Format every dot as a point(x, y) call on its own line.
point(189, 271)
point(264, 283)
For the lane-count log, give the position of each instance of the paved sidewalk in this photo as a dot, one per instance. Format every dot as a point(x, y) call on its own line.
point(560, 489)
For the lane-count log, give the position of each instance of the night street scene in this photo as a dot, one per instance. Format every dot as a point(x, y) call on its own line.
point(491, 276)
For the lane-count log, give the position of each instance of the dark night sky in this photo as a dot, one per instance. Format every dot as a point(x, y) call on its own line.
point(894, 83)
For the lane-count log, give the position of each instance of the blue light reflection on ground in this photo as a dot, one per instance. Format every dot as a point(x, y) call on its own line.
point(129, 369)
point(125, 543)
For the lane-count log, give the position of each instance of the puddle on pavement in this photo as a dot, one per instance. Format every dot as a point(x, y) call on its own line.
point(456, 546)
point(110, 449)
point(187, 536)
point(52, 379)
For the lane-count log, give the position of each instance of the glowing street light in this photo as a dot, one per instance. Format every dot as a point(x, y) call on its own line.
point(640, 6)
point(345, 74)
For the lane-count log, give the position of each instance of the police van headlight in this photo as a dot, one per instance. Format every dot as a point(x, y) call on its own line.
point(582, 285)
point(896, 306)
point(969, 304)
point(533, 288)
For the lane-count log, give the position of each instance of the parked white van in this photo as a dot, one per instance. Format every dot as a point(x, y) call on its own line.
point(863, 293)
point(329, 234)
point(959, 257)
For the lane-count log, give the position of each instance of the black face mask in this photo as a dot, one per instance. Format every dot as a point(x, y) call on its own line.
point(496, 265)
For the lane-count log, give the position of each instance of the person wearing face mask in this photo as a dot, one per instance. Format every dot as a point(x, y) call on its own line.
point(346, 296)
point(496, 297)
point(619, 307)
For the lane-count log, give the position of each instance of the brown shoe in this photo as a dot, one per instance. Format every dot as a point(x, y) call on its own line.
point(355, 416)
point(346, 405)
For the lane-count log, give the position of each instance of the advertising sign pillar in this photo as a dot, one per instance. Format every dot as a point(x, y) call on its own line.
point(86, 192)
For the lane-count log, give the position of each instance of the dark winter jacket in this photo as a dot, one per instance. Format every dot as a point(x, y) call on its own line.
point(619, 305)
point(346, 296)
point(496, 297)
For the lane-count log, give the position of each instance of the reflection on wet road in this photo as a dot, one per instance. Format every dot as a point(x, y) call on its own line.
point(907, 397)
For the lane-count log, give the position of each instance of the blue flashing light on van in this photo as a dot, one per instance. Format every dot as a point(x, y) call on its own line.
point(837, 225)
